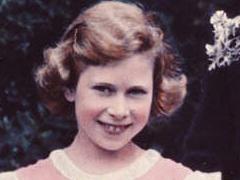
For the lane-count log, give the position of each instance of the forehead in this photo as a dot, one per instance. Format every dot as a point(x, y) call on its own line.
point(137, 69)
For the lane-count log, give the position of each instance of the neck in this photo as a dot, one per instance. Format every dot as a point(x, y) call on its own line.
point(94, 159)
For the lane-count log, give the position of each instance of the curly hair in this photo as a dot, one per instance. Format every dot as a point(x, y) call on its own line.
point(110, 31)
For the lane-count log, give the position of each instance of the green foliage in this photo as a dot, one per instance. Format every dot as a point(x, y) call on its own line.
point(28, 131)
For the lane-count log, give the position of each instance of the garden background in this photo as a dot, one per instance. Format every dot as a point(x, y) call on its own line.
point(28, 132)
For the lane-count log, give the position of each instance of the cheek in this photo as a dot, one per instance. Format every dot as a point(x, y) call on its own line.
point(88, 110)
point(142, 112)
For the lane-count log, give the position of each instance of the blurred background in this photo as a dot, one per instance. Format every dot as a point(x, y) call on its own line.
point(196, 135)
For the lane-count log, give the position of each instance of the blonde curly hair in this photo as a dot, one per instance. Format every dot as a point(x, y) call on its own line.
point(110, 31)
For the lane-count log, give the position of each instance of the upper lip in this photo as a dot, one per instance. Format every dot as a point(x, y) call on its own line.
point(114, 124)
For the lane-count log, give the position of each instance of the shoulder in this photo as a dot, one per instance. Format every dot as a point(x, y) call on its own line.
point(43, 169)
point(166, 168)
point(11, 175)
point(197, 175)
point(39, 169)
point(169, 168)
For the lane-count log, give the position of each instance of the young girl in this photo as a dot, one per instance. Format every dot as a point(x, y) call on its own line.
point(113, 70)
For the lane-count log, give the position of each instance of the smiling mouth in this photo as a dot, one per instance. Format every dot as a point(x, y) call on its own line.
point(112, 128)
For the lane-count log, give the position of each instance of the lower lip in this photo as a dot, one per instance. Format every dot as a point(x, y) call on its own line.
point(113, 129)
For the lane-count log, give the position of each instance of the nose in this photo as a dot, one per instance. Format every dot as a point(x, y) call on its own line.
point(119, 109)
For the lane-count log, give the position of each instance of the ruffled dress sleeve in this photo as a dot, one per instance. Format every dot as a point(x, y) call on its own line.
point(8, 176)
point(197, 175)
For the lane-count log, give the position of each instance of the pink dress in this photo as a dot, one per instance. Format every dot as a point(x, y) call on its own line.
point(150, 166)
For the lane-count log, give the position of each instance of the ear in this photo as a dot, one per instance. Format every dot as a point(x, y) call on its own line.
point(69, 94)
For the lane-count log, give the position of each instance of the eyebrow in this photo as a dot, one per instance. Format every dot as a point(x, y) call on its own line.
point(139, 87)
point(114, 87)
point(104, 84)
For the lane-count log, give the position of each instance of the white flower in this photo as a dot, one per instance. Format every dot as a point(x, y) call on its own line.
point(226, 47)
point(219, 17)
point(209, 49)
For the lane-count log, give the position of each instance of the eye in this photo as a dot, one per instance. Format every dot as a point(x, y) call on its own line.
point(137, 91)
point(103, 89)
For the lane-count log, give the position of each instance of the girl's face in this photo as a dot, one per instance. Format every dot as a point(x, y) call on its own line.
point(112, 102)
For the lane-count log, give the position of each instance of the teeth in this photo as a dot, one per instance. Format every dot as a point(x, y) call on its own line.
point(114, 129)
point(111, 128)
point(118, 129)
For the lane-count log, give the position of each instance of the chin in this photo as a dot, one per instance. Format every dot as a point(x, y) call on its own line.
point(112, 146)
